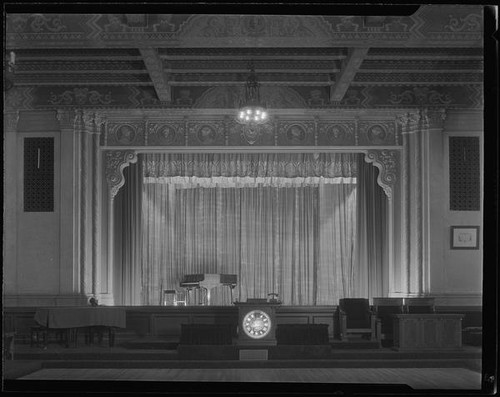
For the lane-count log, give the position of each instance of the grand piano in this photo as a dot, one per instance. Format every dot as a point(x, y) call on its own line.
point(207, 282)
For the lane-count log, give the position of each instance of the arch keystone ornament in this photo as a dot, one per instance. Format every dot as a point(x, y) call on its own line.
point(116, 161)
point(387, 163)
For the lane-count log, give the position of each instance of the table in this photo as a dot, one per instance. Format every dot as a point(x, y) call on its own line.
point(414, 332)
point(92, 319)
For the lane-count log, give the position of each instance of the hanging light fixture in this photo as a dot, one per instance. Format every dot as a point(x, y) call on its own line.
point(252, 111)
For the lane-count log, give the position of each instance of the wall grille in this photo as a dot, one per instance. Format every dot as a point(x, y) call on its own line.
point(38, 174)
point(465, 184)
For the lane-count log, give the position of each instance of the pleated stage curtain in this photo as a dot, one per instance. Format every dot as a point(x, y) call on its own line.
point(371, 252)
point(283, 223)
point(127, 285)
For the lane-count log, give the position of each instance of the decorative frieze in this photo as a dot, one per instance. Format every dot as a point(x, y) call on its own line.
point(206, 133)
point(438, 22)
point(80, 96)
point(226, 132)
point(396, 93)
point(376, 133)
point(165, 133)
point(125, 134)
point(252, 135)
point(337, 133)
point(293, 133)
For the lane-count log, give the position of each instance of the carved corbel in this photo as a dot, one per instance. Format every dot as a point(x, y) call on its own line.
point(387, 163)
point(116, 161)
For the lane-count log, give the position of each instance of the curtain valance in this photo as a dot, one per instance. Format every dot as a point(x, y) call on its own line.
point(274, 165)
point(188, 182)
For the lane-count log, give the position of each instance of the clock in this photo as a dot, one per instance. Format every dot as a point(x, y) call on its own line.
point(256, 324)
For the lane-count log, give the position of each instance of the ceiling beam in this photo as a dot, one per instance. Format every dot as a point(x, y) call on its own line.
point(154, 67)
point(349, 69)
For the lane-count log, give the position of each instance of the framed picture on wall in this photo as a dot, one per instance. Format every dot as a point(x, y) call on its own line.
point(465, 237)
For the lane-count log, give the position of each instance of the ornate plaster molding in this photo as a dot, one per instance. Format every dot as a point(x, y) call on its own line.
point(387, 163)
point(116, 161)
point(11, 120)
point(92, 121)
point(433, 118)
point(424, 118)
point(66, 118)
point(409, 122)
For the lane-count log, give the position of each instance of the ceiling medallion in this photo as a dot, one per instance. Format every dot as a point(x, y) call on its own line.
point(252, 111)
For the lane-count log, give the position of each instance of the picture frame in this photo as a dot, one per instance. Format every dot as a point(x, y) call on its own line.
point(464, 237)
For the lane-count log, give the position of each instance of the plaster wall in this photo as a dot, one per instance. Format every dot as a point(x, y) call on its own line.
point(38, 259)
point(454, 273)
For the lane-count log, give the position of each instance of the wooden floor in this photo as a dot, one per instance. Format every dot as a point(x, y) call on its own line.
point(417, 378)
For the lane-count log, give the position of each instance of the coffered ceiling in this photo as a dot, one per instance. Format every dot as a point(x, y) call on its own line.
point(433, 57)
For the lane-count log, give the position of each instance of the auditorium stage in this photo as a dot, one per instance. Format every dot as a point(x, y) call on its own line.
point(150, 342)
point(165, 322)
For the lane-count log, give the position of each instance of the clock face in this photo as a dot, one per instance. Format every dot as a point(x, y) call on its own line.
point(256, 324)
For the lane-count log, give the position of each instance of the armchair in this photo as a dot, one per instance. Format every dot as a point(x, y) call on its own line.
point(384, 309)
point(355, 317)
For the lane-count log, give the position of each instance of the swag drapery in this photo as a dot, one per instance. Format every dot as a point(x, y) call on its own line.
point(284, 223)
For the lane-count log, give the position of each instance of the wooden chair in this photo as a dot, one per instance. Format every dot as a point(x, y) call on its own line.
point(356, 318)
point(419, 305)
point(39, 336)
point(8, 345)
point(172, 297)
point(384, 309)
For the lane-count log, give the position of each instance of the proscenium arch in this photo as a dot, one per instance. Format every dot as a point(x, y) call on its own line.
point(385, 160)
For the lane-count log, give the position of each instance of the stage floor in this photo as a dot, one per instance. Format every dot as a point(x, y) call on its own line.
point(416, 378)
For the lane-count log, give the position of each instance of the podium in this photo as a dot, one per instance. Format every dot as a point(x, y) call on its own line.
point(257, 322)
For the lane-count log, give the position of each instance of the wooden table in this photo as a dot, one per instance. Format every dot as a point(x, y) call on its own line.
point(427, 332)
point(70, 319)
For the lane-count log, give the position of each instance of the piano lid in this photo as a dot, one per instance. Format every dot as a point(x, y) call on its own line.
point(208, 280)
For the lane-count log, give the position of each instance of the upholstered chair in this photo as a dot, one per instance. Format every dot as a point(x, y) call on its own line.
point(356, 318)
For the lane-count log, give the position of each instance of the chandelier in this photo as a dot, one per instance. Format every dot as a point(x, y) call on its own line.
point(252, 111)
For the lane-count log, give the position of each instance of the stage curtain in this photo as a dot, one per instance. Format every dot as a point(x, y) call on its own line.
point(296, 240)
point(312, 242)
point(127, 274)
point(372, 245)
point(337, 243)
